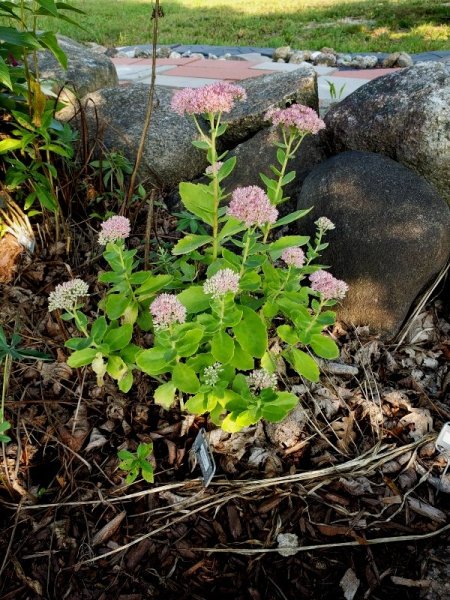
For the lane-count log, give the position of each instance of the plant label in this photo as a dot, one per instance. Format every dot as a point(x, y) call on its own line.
point(204, 457)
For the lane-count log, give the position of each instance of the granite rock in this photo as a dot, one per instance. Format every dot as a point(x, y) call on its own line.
point(398, 59)
point(267, 91)
point(87, 71)
point(392, 234)
point(169, 156)
point(404, 115)
point(284, 52)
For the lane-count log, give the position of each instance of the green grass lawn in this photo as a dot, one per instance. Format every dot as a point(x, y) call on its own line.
point(410, 25)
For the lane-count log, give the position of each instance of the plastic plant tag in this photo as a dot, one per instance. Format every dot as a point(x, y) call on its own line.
point(204, 457)
point(443, 440)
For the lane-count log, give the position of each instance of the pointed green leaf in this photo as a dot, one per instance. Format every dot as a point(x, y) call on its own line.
point(189, 243)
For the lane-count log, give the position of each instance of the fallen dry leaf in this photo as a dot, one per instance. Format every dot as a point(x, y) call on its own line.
point(419, 421)
point(343, 428)
point(108, 530)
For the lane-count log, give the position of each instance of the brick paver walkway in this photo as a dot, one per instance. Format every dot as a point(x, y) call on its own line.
point(196, 72)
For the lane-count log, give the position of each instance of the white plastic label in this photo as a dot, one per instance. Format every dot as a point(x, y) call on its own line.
point(443, 439)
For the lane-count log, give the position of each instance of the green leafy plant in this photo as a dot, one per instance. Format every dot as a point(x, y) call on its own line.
point(227, 293)
point(33, 140)
point(335, 94)
point(137, 462)
point(9, 352)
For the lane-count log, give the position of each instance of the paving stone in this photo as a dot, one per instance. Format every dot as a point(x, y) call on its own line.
point(230, 74)
point(364, 73)
point(322, 70)
point(351, 85)
point(275, 66)
point(180, 82)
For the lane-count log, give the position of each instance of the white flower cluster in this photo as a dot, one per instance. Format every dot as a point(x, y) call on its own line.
point(211, 374)
point(65, 296)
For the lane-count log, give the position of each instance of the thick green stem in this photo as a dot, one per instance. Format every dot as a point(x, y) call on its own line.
point(246, 250)
point(315, 250)
point(216, 186)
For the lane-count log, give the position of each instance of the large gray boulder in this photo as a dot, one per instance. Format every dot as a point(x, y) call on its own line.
point(392, 234)
point(87, 71)
point(404, 115)
point(116, 116)
point(268, 91)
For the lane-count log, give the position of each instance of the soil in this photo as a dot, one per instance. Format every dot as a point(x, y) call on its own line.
point(353, 473)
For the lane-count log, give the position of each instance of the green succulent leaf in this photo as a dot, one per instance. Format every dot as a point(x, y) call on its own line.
point(81, 358)
point(222, 347)
point(324, 346)
point(251, 333)
point(185, 379)
point(198, 200)
point(304, 364)
point(190, 242)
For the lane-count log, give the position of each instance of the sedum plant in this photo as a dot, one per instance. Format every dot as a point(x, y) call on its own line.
point(240, 303)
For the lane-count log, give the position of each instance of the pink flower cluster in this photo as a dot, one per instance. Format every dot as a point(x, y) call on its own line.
point(65, 295)
point(113, 229)
point(294, 257)
point(297, 116)
point(252, 206)
point(214, 98)
point(167, 310)
point(221, 283)
point(327, 285)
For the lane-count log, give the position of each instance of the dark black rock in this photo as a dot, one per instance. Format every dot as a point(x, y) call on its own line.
point(392, 234)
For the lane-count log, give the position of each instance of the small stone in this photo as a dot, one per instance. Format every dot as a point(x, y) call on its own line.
point(398, 59)
point(141, 53)
point(298, 57)
point(212, 56)
point(197, 55)
point(163, 52)
point(283, 53)
point(325, 59)
point(126, 53)
point(228, 56)
point(174, 55)
point(326, 50)
point(404, 60)
point(186, 54)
